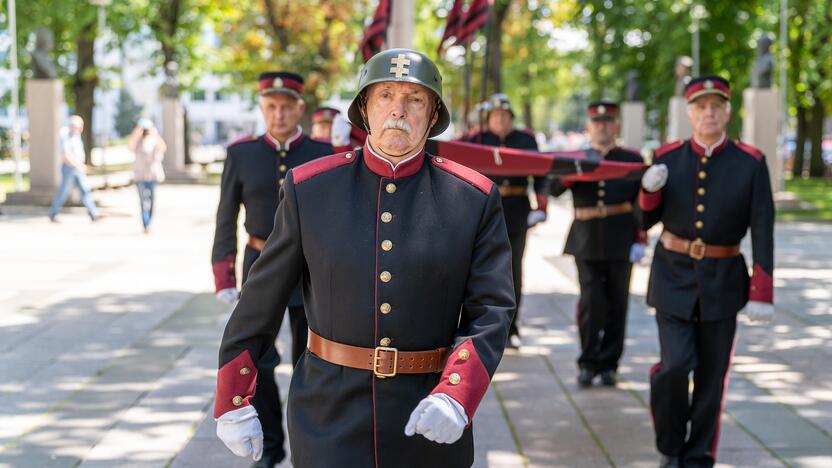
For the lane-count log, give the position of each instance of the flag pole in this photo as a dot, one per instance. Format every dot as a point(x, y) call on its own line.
point(485, 64)
point(467, 84)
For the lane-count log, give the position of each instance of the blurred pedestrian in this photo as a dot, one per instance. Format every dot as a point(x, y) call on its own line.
point(73, 169)
point(149, 150)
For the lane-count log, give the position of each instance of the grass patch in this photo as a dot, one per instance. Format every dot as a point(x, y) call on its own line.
point(7, 183)
point(818, 192)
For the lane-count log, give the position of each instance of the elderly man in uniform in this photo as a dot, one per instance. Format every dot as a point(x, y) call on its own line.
point(405, 264)
point(708, 192)
point(605, 241)
point(322, 120)
point(255, 169)
point(514, 191)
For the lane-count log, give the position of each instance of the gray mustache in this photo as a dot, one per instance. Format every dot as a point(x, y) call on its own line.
point(399, 124)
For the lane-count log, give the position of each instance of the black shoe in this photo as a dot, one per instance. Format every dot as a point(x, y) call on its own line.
point(585, 377)
point(609, 378)
point(269, 460)
point(669, 462)
point(514, 342)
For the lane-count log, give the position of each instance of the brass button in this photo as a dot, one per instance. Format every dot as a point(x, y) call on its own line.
point(385, 342)
point(385, 276)
point(280, 181)
point(464, 354)
point(348, 156)
point(600, 203)
point(454, 378)
point(386, 217)
point(702, 174)
point(602, 183)
point(245, 371)
point(753, 288)
point(282, 168)
point(391, 188)
point(700, 225)
point(601, 193)
point(701, 191)
point(237, 400)
point(385, 308)
point(387, 245)
point(282, 154)
point(506, 182)
point(439, 160)
point(700, 208)
point(704, 159)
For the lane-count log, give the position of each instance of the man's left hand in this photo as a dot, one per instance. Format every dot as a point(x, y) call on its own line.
point(758, 312)
point(535, 217)
point(439, 418)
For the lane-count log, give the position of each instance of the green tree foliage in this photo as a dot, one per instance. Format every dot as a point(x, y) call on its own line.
point(127, 113)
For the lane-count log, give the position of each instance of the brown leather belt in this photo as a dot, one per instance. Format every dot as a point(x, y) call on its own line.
point(697, 249)
point(513, 191)
point(383, 361)
point(256, 243)
point(592, 212)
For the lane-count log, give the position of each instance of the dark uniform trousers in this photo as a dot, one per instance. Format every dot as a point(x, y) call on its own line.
point(715, 197)
point(601, 247)
point(516, 208)
point(254, 171)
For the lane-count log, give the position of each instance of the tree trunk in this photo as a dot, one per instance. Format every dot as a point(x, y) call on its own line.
point(494, 39)
point(84, 82)
point(800, 142)
point(816, 165)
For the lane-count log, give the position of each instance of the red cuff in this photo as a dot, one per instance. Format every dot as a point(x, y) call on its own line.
point(762, 286)
point(649, 201)
point(641, 237)
point(236, 383)
point(542, 201)
point(224, 276)
point(464, 378)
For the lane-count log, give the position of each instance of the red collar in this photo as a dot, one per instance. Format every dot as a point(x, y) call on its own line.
point(384, 168)
point(291, 143)
point(703, 150)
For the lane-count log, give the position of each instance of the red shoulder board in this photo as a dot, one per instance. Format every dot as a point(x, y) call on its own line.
point(664, 149)
point(465, 173)
point(756, 153)
point(319, 166)
point(242, 140)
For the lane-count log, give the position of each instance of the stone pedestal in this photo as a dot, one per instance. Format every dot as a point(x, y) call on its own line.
point(632, 124)
point(760, 127)
point(173, 132)
point(44, 101)
point(678, 125)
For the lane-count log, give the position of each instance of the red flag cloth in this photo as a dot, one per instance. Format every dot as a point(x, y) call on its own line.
point(573, 166)
point(474, 19)
point(453, 24)
point(376, 33)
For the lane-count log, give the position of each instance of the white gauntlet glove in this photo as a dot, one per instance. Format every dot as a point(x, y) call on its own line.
point(758, 312)
point(654, 178)
point(228, 295)
point(536, 216)
point(439, 418)
point(241, 432)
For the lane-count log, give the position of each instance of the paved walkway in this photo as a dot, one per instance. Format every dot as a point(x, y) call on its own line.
point(109, 338)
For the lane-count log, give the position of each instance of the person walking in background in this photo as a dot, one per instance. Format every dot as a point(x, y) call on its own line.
point(73, 170)
point(149, 150)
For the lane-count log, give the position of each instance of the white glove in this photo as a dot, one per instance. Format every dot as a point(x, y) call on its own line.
point(439, 418)
point(241, 432)
point(536, 216)
point(758, 312)
point(228, 295)
point(654, 177)
point(636, 252)
point(340, 133)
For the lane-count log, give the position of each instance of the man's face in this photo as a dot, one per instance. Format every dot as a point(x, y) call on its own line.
point(603, 132)
point(399, 116)
point(322, 130)
point(709, 116)
point(76, 124)
point(500, 122)
point(281, 114)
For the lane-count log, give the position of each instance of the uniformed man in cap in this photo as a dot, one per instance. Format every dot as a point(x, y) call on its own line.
point(514, 191)
point(255, 169)
point(605, 241)
point(406, 277)
point(707, 192)
point(322, 119)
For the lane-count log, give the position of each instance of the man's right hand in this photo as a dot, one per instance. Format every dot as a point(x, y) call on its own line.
point(241, 432)
point(228, 295)
point(654, 178)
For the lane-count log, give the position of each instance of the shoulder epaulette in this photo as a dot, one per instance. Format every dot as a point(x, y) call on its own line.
point(465, 173)
point(664, 149)
point(754, 152)
point(242, 140)
point(309, 170)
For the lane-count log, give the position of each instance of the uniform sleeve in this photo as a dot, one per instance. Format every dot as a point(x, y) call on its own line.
point(649, 210)
point(762, 237)
point(540, 184)
point(557, 187)
point(224, 251)
point(486, 314)
point(254, 324)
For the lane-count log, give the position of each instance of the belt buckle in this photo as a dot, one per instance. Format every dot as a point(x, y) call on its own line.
point(377, 358)
point(602, 211)
point(696, 250)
